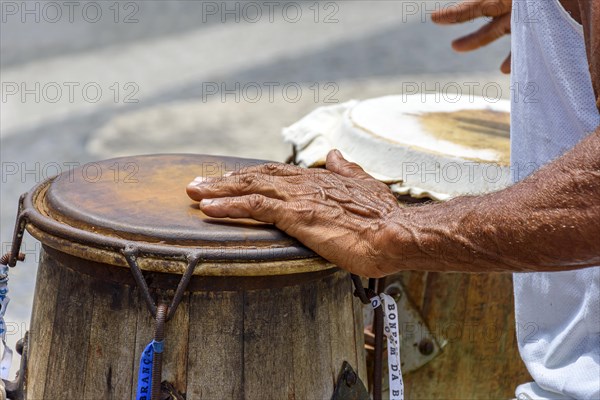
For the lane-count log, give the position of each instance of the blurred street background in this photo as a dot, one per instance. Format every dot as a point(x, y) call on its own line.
point(85, 80)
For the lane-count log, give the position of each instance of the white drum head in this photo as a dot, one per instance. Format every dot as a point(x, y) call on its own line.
point(421, 145)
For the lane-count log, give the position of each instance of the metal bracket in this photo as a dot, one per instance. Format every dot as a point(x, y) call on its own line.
point(131, 253)
point(349, 386)
point(418, 346)
point(15, 390)
point(14, 255)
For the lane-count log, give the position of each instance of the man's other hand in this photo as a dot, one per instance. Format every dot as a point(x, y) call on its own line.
point(338, 212)
point(498, 10)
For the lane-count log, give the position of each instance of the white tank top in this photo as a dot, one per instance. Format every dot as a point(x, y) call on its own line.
point(553, 108)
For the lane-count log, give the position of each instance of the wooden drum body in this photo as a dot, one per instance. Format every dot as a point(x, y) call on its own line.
point(262, 317)
point(471, 317)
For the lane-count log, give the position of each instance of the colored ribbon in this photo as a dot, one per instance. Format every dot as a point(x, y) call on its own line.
point(144, 386)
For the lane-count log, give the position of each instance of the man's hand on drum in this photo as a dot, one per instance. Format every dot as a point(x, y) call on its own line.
point(498, 10)
point(339, 212)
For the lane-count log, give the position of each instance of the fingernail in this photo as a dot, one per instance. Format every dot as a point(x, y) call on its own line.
point(338, 153)
point(198, 180)
point(228, 173)
point(206, 202)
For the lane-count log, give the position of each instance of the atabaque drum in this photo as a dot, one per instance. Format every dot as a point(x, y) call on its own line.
point(259, 316)
point(458, 330)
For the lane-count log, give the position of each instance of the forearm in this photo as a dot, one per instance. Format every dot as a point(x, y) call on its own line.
point(548, 222)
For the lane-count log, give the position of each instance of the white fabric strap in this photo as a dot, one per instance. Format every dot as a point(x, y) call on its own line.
point(391, 331)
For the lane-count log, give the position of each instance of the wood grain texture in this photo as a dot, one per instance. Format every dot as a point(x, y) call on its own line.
point(277, 343)
point(40, 335)
point(341, 322)
point(415, 284)
point(177, 345)
point(215, 370)
point(474, 313)
point(361, 354)
point(108, 371)
point(268, 336)
point(65, 377)
point(312, 346)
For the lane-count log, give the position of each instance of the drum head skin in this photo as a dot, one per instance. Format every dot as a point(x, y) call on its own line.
point(137, 207)
point(144, 198)
point(471, 129)
point(421, 145)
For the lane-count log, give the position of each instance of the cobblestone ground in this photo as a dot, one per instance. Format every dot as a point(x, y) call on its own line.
point(100, 79)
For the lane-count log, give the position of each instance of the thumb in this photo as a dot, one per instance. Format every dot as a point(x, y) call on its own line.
point(336, 163)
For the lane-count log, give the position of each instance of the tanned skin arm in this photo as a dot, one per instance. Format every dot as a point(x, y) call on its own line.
point(547, 222)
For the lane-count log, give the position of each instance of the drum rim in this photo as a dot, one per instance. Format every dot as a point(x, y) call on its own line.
point(67, 202)
point(219, 261)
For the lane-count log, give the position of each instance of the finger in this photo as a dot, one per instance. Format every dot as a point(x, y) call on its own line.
point(505, 67)
point(336, 163)
point(207, 188)
point(254, 206)
point(487, 34)
point(458, 13)
point(273, 169)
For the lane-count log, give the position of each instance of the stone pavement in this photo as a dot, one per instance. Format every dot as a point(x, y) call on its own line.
point(197, 76)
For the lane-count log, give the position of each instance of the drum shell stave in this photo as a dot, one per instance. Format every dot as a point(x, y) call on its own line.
point(272, 339)
point(472, 316)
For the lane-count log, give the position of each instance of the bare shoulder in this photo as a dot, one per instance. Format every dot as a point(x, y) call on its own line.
point(573, 7)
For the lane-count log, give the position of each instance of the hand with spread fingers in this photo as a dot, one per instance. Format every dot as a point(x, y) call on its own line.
point(338, 212)
point(498, 10)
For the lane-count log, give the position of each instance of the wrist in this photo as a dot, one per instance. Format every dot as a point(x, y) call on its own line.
point(408, 240)
point(436, 237)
